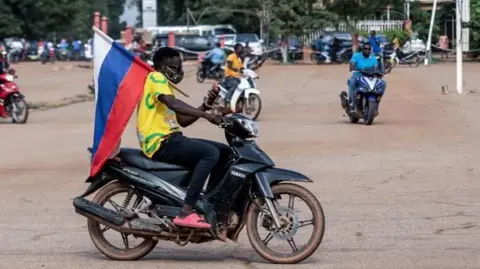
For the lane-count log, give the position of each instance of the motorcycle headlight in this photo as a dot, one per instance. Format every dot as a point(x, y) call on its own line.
point(9, 77)
point(251, 126)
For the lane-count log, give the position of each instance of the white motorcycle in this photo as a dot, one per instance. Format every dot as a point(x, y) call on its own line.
point(245, 99)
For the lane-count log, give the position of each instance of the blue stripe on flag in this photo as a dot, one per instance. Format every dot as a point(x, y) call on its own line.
point(112, 72)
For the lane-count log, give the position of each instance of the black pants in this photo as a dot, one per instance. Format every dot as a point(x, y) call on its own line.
point(202, 157)
point(231, 83)
point(206, 65)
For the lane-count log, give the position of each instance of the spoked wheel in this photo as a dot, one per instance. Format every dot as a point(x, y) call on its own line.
point(19, 110)
point(415, 62)
point(294, 227)
point(252, 107)
point(115, 245)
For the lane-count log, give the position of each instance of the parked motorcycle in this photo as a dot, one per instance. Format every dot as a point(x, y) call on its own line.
point(367, 99)
point(245, 99)
point(412, 59)
point(324, 57)
point(63, 55)
point(250, 195)
point(48, 56)
point(12, 102)
point(216, 72)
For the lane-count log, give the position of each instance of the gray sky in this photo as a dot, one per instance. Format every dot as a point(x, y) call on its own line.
point(130, 15)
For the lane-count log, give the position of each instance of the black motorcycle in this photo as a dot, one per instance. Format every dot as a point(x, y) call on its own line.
point(215, 72)
point(250, 195)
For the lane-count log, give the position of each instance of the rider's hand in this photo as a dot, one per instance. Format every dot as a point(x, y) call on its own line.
point(212, 94)
point(214, 118)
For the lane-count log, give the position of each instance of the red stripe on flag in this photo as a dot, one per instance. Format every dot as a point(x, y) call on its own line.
point(129, 93)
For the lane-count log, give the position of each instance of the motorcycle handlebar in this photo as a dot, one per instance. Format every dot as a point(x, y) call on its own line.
point(225, 122)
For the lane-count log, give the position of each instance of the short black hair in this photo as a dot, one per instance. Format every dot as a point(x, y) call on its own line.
point(237, 46)
point(163, 54)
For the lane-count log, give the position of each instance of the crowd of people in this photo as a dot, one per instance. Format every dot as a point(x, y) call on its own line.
point(19, 49)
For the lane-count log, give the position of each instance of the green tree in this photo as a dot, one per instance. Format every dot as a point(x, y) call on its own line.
point(474, 24)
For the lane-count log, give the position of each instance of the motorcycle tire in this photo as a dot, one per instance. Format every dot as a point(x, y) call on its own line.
point(318, 221)
point(372, 111)
point(387, 67)
point(415, 62)
point(200, 76)
point(101, 243)
point(24, 104)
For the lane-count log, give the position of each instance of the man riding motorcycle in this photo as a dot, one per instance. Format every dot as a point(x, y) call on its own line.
point(359, 61)
point(233, 71)
point(404, 51)
point(215, 57)
point(160, 116)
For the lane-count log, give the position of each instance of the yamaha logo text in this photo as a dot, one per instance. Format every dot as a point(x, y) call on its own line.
point(237, 174)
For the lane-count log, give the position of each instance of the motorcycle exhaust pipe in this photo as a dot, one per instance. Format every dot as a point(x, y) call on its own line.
point(113, 219)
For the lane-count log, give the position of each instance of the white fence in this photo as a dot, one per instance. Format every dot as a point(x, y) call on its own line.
point(366, 25)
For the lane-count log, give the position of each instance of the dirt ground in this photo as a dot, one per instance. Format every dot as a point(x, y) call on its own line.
point(402, 193)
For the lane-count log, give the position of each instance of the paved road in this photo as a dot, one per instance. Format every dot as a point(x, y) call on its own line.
point(402, 193)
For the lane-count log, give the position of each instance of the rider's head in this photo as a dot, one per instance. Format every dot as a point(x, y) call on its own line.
point(373, 33)
point(218, 45)
point(167, 61)
point(238, 48)
point(366, 50)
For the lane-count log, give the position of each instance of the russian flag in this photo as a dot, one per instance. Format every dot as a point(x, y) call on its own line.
point(119, 78)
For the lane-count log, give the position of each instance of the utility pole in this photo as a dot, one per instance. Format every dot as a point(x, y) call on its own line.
point(428, 56)
point(459, 47)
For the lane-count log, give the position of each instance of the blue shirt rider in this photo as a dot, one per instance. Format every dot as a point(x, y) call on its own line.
point(376, 49)
point(212, 58)
point(359, 61)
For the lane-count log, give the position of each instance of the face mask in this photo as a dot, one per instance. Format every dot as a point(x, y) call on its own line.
point(174, 75)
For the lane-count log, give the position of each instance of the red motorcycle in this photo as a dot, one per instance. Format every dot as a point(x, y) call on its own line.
point(12, 102)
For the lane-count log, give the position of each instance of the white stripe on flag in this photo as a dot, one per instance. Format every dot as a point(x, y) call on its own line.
point(101, 45)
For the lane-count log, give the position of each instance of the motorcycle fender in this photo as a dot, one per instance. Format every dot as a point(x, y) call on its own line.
point(247, 92)
point(273, 176)
point(234, 100)
point(372, 98)
point(97, 182)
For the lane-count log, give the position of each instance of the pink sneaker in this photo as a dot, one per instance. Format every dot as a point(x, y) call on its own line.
point(193, 221)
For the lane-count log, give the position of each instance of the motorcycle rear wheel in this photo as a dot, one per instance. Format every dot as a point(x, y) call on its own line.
point(200, 76)
point(415, 62)
point(318, 221)
point(97, 234)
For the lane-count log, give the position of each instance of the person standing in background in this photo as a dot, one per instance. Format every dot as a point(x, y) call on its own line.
point(443, 43)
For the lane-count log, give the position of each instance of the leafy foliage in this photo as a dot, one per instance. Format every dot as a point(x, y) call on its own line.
point(36, 19)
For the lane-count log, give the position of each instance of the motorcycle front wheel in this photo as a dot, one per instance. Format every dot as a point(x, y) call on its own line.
point(291, 225)
point(19, 110)
point(370, 112)
point(252, 107)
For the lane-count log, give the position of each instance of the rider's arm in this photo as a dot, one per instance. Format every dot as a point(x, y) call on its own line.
point(181, 107)
point(353, 62)
point(185, 120)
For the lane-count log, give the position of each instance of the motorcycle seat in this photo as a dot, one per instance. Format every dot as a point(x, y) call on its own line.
point(136, 158)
